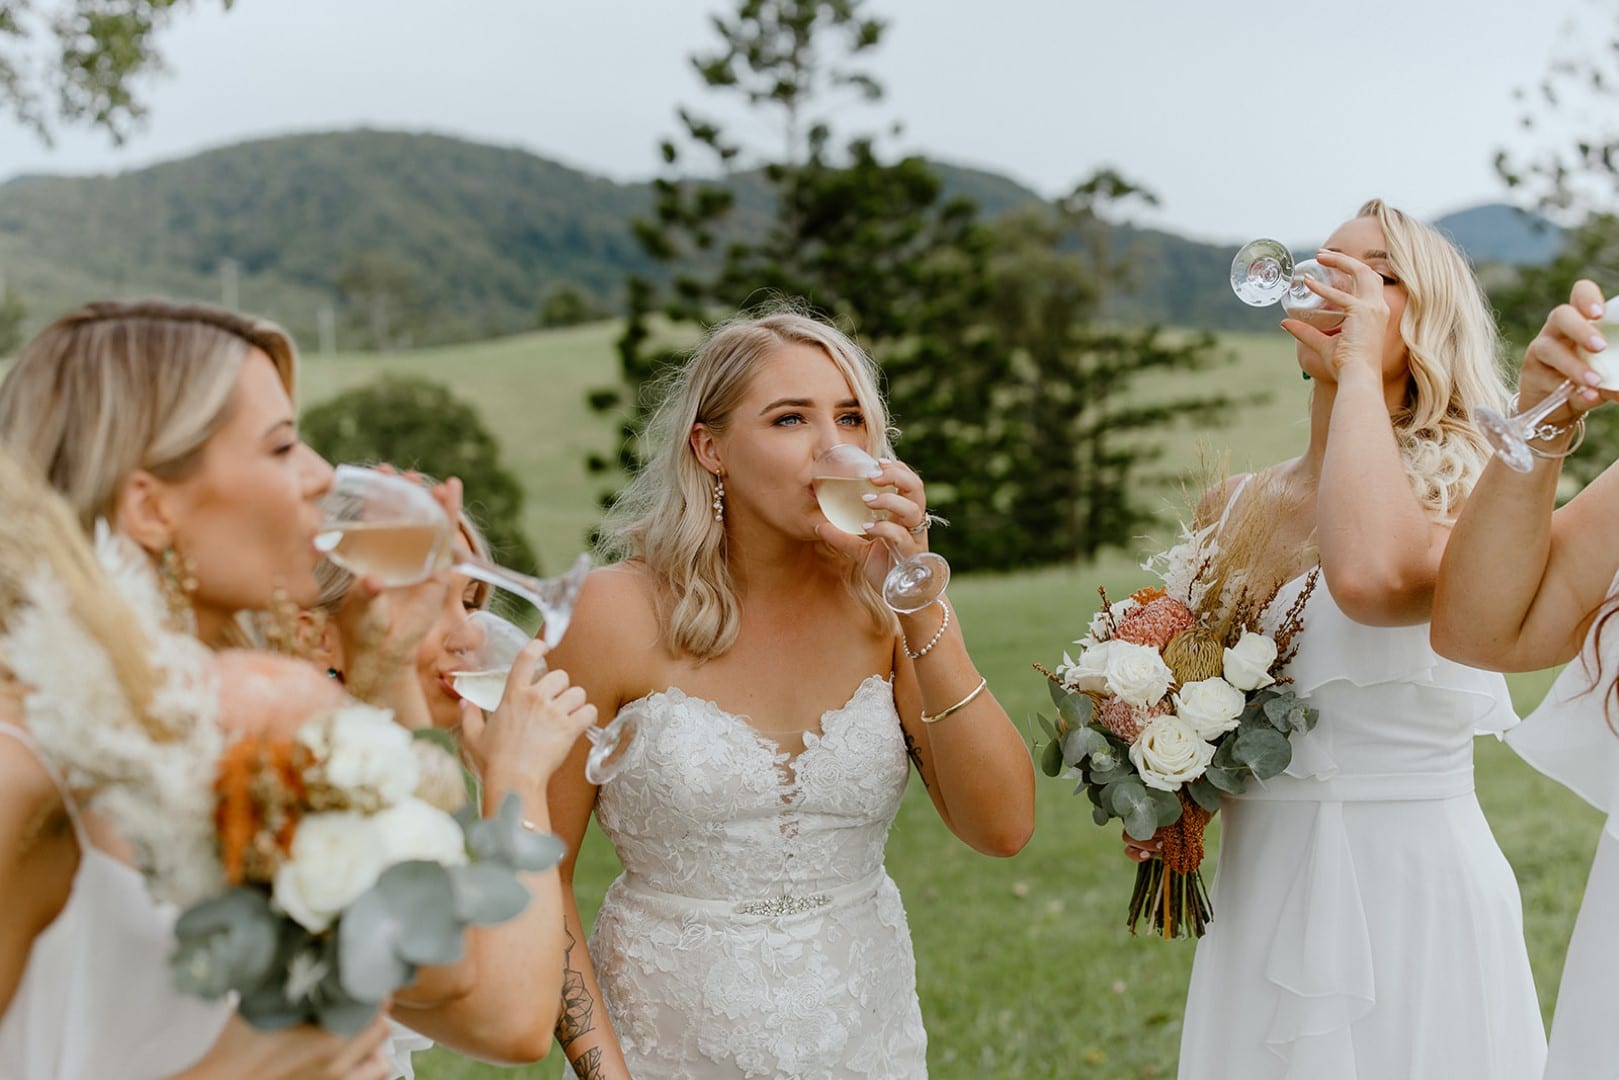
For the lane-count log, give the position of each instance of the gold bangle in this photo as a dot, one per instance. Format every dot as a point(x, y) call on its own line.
point(958, 706)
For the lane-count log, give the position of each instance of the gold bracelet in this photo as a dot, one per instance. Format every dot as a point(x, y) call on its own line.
point(958, 706)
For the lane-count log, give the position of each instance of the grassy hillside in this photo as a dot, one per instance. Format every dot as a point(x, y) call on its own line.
point(1025, 968)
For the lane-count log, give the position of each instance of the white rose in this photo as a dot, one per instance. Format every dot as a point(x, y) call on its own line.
point(361, 752)
point(1169, 753)
point(415, 830)
point(1089, 672)
point(335, 857)
point(1136, 673)
point(1211, 706)
point(1247, 664)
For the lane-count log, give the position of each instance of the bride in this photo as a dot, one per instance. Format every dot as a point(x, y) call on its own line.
point(754, 931)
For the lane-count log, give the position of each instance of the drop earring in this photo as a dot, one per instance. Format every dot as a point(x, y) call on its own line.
point(719, 498)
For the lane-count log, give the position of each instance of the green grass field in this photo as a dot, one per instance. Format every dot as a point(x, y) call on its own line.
point(1025, 968)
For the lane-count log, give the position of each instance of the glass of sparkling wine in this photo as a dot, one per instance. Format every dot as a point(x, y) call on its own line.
point(1264, 272)
point(1510, 435)
point(841, 476)
point(486, 647)
point(391, 527)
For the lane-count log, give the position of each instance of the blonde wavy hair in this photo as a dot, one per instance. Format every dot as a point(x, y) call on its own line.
point(664, 519)
point(119, 386)
point(1455, 359)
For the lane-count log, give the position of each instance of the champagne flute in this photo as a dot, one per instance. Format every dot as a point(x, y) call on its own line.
point(485, 647)
point(1510, 435)
point(1264, 272)
point(842, 476)
point(392, 527)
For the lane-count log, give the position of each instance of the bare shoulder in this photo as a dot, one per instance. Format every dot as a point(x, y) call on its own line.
point(613, 632)
point(1216, 497)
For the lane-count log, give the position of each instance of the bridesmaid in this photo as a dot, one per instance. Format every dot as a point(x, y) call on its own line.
point(1366, 925)
point(1525, 586)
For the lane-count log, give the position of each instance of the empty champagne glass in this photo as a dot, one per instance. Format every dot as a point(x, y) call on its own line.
point(1510, 435)
point(392, 527)
point(485, 647)
point(841, 476)
point(1264, 272)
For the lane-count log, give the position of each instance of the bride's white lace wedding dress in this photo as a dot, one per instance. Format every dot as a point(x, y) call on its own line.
point(754, 931)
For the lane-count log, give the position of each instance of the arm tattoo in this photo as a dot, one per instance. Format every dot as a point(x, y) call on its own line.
point(588, 1065)
point(578, 1008)
point(914, 752)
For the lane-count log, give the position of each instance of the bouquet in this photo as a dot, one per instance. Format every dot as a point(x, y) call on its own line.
point(319, 859)
point(1177, 696)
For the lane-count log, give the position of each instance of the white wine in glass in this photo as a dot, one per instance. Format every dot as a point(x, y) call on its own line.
point(485, 647)
point(840, 500)
point(392, 527)
point(842, 476)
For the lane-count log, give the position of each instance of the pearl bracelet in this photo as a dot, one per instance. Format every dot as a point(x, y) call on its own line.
point(934, 640)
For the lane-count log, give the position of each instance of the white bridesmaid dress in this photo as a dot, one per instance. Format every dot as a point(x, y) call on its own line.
point(1570, 740)
point(1366, 925)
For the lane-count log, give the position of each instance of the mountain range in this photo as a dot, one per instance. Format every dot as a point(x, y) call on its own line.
point(476, 235)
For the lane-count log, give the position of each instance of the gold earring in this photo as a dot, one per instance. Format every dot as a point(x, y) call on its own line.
point(178, 576)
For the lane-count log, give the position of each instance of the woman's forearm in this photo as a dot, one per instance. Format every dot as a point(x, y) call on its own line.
point(583, 1029)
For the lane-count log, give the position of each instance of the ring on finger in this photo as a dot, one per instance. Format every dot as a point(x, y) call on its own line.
point(921, 526)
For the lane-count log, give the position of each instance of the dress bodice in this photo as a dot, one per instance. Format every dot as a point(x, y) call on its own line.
point(754, 932)
point(707, 807)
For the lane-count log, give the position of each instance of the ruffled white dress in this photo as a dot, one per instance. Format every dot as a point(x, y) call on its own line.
point(1569, 739)
point(1366, 925)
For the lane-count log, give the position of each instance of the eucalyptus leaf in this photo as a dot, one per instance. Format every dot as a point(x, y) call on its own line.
point(486, 894)
point(1265, 752)
point(1057, 692)
point(1100, 816)
point(1204, 793)
point(1081, 743)
point(1141, 823)
point(503, 839)
point(346, 1016)
point(1076, 709)
point(1230, 781)
point(1051, 758)
point(1047, 726)
point(369, 965)
point(226, 943)
point(1166, 806)
point(267, 1008)
point(421, 901)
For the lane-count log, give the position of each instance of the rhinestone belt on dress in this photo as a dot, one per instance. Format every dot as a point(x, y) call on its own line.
point(784, 905)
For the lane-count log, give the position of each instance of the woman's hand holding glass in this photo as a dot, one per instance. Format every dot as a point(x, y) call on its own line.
point(538, 718)
point(1358, 339)
point(1567, 370)
point(892, 521)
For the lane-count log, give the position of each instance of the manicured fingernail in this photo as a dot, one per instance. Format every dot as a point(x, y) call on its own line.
point(1595, 311)
point(868, 526)
point(874, 474)
point(1595, 343)
point(1590, 378)
point(885, 461)
point(1588, 395)
point(868, 497)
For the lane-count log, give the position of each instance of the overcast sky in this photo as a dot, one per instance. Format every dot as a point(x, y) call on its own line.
point(1246, 121)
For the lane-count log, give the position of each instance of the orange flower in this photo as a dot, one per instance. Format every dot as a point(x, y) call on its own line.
point(260, 789)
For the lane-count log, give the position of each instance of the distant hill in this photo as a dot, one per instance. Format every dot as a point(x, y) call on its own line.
point(1498, 233)
point(476, 234)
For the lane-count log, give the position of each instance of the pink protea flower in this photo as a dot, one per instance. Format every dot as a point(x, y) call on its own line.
point(1126, 720)
point(1154, 623)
